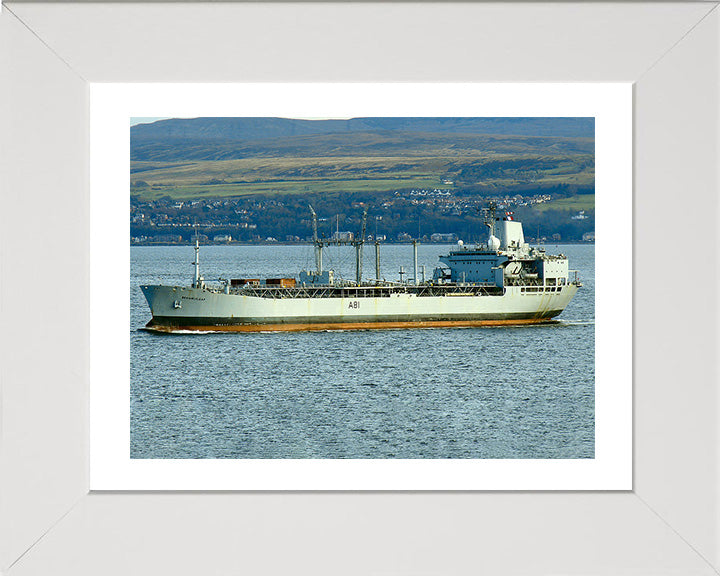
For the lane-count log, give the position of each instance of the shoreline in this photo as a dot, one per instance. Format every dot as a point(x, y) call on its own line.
point(369, 243)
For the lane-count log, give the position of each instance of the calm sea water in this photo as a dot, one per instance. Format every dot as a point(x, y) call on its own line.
point(507, 392)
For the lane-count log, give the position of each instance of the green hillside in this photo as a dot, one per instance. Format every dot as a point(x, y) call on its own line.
point(480, 172)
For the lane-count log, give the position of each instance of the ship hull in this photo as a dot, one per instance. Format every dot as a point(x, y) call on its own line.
point(194, 309)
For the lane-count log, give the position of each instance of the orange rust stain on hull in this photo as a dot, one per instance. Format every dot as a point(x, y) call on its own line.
point(350, 326)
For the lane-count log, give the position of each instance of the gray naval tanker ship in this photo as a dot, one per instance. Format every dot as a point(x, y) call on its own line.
point(502, 282)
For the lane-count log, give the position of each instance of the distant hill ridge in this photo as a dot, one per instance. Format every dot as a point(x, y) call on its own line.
point(235, 138)
point(265, 128)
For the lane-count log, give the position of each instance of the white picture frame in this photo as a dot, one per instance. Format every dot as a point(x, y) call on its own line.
point(50, 523)
point(111, 466)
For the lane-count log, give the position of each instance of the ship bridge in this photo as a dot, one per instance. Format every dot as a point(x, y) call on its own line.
point(505, 260)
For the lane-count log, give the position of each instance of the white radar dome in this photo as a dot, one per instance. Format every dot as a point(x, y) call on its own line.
point(493, 242)
point(460, 242)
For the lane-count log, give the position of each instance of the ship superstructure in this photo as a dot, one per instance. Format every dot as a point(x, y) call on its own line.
point(504, 281)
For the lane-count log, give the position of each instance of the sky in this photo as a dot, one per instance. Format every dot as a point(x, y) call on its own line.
point(150, 119)
point(145, 120)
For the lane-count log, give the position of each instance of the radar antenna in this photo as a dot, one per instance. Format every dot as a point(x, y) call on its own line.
point(489, 216)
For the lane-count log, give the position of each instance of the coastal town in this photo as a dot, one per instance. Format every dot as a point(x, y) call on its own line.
point(429, 215)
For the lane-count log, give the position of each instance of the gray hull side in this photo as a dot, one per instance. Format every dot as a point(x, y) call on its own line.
point(182, 306)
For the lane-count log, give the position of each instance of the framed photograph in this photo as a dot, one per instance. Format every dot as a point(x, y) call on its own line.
point(483, 435)
point(75, 186)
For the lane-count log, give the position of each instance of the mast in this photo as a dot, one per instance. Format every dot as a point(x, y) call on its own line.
point(196, 263)
point(489, 217)
point(377, 251)
point(377, 259)
point(415, 265)
point(316, 243)
point(359, 250)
